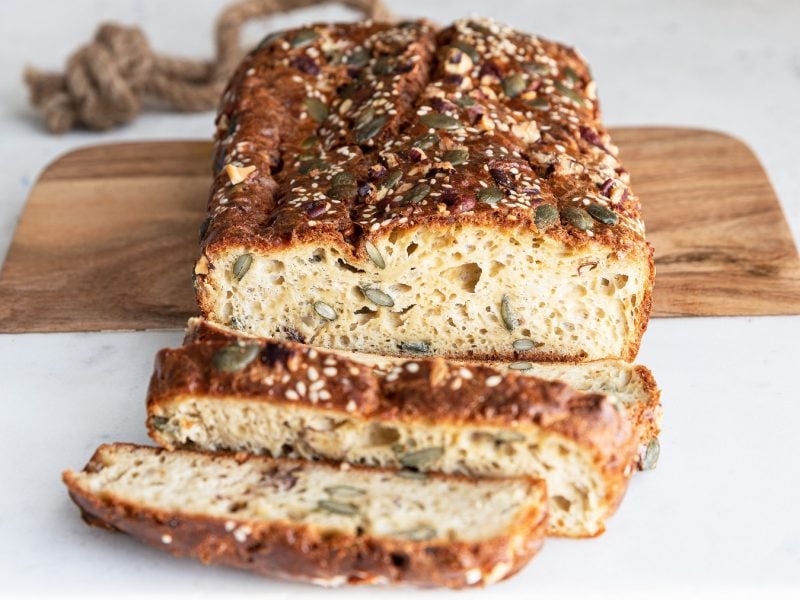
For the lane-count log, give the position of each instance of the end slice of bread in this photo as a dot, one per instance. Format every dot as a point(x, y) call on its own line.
point(324, 523)
point(286, 399)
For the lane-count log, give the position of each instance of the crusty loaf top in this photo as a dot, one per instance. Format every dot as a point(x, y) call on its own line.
point(345, 132)
point(426, 389)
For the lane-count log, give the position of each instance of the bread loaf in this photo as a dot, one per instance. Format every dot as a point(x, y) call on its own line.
point(288, 399)
point(315, 522)
point(401, 190)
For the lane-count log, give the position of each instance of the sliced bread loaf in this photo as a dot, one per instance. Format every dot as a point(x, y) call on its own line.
point(288, 399)
point(633, 385)
point(328, 524)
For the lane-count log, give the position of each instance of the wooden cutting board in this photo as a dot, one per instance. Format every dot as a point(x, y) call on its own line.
point(109, 234)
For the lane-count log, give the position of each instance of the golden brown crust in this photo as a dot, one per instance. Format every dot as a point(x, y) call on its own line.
point(301, 552)
point(356, 101)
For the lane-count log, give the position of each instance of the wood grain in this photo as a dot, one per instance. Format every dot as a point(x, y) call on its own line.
point(109, 234)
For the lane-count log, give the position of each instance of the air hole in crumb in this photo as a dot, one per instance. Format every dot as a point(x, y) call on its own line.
point(399, 560)
point(466, 276)
point(411, 248)
point(561, 502)
point(348, 267)
point(237, 506)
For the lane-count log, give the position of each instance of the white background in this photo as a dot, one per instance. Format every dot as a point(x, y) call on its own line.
point(719, 517)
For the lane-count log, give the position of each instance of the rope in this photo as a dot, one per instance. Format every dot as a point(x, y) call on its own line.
point(106, 81)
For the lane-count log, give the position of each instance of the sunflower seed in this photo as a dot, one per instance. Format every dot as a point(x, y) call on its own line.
point(421, 458)
point(234, 357)
point(538, 104)
point(570, 93)
point(456, 156)
point(602, 214)
point(467, 49)
point(545, 217)
point(490, 195)
point(344, 491)
point(374, 255)
point(303, 38)
point(417, 193)
point(415, 347)
point(577, 217)
point(650, 458)
point(378, 297)
point(406, 474)
point(509, 436)
point(510, 319)
point(424, 142)
point(343, 178)
point(422, 533)
point(439, 121)
point(520, 366)
point(339, 508)
point(392, 177)
point(523, 344)
point(241, 266)
point(326, 311)
point(370, 129)
point(317, 109)
point(514, 85)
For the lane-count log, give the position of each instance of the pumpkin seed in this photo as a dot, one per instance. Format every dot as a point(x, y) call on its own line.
point(490, 195)
point(359, 58)
point(467, 49)
point(457, 156)
point(507, 437)
point(538, 104)
point(651, 454)
point(371, 129)
point(510, 319)
point(392, 177)
point(415, 347)
point(309, 142)
point(422, 533)
point(342, 192)
point(602, 214)
point(313, 164)
point(317, 109)
point(159, 423)
point(241, 266)
point(326, 311)
point(421, 458)
point(535, 68)
point(378, 297)
point(577, 217)
point(339, 508)
point(465, 102)
point(514, 85)
point(234, 357)
point(345, 491)
point(545, 217)
point(374, 255)
point(269, 39)
point(383, 66)
point(439, 121)
point(424, 142)
point(523, 344)
point(570, 93)
point(304, 38)
point(417, 193)
point(406, 474)
point(570, 76)
point(343, 178)
point(521, 365)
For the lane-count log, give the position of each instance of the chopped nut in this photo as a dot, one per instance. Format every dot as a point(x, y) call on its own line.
point(238, 174)
point(528, 132)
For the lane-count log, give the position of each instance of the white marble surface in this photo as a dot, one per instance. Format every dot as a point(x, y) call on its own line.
point(720, 515)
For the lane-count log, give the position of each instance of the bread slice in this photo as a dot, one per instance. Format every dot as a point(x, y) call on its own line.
point(397, 189)
point(288, 399)
point(324, 523)
point(633, 385)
